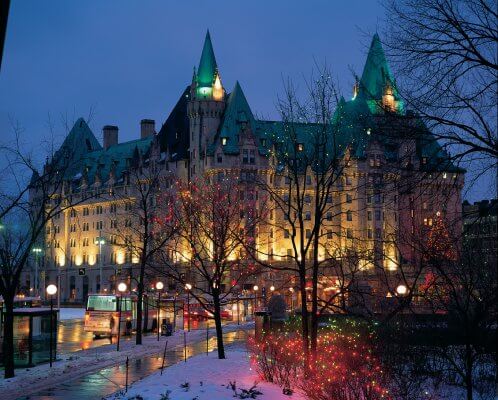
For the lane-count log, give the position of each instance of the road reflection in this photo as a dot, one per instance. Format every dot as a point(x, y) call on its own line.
point(72, 337)
point(109, 380)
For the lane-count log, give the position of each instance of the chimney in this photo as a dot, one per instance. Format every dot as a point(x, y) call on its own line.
point(147, 128)
point(110, 136)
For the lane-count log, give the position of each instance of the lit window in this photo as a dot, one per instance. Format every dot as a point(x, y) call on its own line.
point(300, 147)
point(224, 141)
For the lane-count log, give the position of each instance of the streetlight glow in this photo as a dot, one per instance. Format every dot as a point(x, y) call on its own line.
point(51, 289)
point(188, 286)
point(159, 285)
point(401, 290)
point(272, 288)
point(255, 288)
point(122, 287)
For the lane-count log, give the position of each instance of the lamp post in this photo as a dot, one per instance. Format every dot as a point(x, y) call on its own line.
point(51, 290)
point(159, 287)
point(238, 310)
point(37, 251)
point(255, 288)
point(121, 288)
point(291, 290)
point(188, 286)
point(100, 241)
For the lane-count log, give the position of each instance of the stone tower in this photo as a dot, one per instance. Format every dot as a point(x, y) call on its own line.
point(205, 108)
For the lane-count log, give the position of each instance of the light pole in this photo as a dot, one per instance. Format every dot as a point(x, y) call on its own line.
point(37, 251)
point(188, 286)
point(238, 310)
point(51, 290)
point(121, 288)
point(255, 288)
point(159, 287)
point(291, 290)
point(100, 241)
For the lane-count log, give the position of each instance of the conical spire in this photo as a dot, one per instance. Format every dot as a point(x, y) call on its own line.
point(376, 73)
point(207, 64)
point(237, 112)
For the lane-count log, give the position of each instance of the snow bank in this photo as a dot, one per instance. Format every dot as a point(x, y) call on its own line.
point(207, 378)
point(71, 313)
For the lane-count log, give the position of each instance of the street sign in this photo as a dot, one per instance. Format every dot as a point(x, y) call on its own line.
point(81, 271)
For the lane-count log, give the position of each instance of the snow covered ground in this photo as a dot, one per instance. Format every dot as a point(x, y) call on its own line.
point(75, 365)
point(207, 377)
point(71, 313)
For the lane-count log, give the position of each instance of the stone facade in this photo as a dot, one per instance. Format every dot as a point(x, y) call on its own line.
point(390, 191)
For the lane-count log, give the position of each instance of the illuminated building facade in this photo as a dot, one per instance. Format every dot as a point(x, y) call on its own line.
point(396, 179)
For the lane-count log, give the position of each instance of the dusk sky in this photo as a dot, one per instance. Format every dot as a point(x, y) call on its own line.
point(130, 60)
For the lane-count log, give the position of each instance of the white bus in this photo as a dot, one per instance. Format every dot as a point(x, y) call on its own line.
point(102, 314)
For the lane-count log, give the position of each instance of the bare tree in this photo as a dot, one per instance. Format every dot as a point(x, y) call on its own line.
point(27, 205)
point(307, 196)
point(215, 219)
point(142, 210)
point(445, 54)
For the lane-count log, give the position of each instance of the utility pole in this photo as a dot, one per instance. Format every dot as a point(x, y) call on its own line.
point(37, 251)
point(100, 241)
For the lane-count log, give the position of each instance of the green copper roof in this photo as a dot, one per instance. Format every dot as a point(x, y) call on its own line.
point(85, 156)
point(237, 113)
point(376, 72)
point(79, 141)
point(207, 65)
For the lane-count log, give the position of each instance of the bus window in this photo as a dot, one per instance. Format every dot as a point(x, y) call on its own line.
point(101, 303)
point(125, 304)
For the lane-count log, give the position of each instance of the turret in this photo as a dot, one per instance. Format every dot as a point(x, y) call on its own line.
point(206, 106)
point(377, 85)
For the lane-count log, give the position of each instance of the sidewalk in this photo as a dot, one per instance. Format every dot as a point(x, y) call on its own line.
point(76, 365)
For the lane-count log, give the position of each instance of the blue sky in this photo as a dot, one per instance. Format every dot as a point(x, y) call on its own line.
point(128, 60)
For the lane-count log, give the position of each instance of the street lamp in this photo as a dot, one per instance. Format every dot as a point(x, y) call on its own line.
point(121, 288)
point(188, 286)
point(238, 310)
point(159, 287)
point(255, 288)
point(51, 290)
point(402, 290)
point(291, 290)
point(100, 240)
point(272, 288)
point(37, 251)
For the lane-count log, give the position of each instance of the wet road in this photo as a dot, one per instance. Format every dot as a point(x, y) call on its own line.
point(108, 380)
point(72, 337)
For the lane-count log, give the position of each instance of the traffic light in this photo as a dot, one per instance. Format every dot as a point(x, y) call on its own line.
point(81, 271)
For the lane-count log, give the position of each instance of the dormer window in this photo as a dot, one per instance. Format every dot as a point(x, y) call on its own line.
point(300, 147)
point(224, 141)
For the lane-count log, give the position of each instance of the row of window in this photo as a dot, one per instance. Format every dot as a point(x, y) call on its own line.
point(329, 233)
point(97, 210)
point(85, 226)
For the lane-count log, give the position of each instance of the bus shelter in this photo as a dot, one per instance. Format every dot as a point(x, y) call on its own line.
point(170, 312)
point(32, 336)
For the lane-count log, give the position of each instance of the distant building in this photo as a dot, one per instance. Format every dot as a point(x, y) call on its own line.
point(480, 230)
point(213, 132)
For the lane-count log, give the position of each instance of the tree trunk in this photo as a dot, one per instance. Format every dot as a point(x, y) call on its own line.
point(314, 313)
point(468, 371)
point(304, 322)
point(138, 339)
point(219, 328)
point(8, 339)
point(140, 294)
